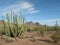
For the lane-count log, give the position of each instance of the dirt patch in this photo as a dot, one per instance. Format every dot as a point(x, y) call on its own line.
point(33, 38)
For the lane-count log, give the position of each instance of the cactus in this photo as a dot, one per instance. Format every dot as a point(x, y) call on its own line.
point(14, 27)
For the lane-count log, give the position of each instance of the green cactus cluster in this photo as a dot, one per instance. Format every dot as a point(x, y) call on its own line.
point(14, 27)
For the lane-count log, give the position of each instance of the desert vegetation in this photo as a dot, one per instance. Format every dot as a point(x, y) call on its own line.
point(15, 27)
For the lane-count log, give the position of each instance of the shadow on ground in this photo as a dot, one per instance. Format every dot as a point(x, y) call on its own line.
point(44, 40)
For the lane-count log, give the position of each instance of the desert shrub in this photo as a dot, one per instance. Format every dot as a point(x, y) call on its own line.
point(56, 37)
point(8, 39)
point(40, 30)
point(4, 36)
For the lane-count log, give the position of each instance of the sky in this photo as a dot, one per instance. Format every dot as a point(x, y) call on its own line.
point(42, 11)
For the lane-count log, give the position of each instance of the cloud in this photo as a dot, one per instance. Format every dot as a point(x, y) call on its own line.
point(26, 5)
point(34, 11)
point(21, 6)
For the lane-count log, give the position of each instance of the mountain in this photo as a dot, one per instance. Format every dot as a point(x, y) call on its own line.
point(32, 25)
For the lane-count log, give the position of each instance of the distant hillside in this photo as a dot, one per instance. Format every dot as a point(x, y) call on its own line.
point(32, 25)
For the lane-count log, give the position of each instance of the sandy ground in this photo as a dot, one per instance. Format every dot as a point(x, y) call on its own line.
point(38, 40)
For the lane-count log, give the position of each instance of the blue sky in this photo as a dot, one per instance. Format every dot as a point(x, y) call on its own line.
point(43, 11)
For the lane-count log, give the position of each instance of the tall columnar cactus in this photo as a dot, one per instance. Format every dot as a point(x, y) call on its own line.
point(14, 27)
point(22, 26)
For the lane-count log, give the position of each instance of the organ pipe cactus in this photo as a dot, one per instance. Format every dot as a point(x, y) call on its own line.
point(14, 27)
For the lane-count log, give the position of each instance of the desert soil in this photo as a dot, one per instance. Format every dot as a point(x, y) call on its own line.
point(32, 38)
